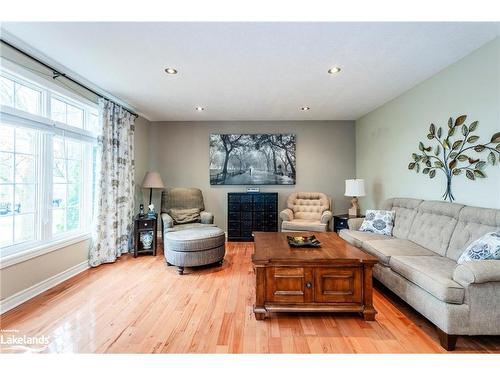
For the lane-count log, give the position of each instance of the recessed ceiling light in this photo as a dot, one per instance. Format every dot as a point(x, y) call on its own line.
point(305, 108)
point(199, 109)
point(334, 70)
point(171, 71)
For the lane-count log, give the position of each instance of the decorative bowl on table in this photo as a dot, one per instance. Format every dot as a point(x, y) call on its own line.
point(303, 241)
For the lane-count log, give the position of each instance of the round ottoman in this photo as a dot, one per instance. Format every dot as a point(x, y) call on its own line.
point(194, 247)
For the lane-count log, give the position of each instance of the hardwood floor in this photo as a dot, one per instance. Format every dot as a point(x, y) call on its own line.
point(139, 305)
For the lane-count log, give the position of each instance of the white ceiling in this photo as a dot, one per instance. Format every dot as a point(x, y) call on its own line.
point(254, 71)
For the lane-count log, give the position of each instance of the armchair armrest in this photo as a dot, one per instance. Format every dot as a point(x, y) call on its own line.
point(355, 224)
point(326, 216)
point(206, 217)
point(167, 222)
point(286, 214)
point(477, 272)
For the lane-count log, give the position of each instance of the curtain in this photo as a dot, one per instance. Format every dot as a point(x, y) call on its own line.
point(114, 198)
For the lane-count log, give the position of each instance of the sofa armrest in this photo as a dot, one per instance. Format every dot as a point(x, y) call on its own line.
point(326, 216)
point(167, 221)
point(355, 224)
point(206, 217)
point(477, 272)
point(286, 214)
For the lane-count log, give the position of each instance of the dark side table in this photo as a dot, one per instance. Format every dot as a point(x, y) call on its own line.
point(340, 221)
point(145, 235)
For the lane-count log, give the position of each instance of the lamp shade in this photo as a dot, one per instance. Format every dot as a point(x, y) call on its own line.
point(355, 188)
point(152, 180)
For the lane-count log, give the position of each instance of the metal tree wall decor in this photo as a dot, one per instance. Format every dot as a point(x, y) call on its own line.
point(455, 156)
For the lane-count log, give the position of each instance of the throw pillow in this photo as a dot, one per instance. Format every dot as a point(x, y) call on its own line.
point(185, 215)
point(378, 221)
point(485, 247)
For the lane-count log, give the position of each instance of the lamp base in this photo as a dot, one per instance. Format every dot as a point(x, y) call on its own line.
point(354, 210)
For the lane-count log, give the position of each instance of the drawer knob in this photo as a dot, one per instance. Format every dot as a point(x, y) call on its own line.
point(308, 285)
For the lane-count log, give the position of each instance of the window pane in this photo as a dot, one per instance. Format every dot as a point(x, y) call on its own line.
point(24, 198)
point(28, 99)
point(73, 194)
point(24, 227)
point(57, 110)
point(58, 221)
point(72, 219)
point(6, 167)
point(74, 116)
point(73, 150)
point(6, 92)
point(59, 196)
point(93, 123)
point(58, 146)
point(25, 168)
point(7, 137)
point(59, 173)
point(6, 199)
point(74, 171)
point(6, 228)
point(25, 141)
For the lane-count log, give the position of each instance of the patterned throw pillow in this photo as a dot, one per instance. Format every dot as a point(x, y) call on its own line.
point(378, 221)
point(485, 247)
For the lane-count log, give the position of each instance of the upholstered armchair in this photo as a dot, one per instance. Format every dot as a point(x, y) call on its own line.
point(308, 212)
point(183, 208)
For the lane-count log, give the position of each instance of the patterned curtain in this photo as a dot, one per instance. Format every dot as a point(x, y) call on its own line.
point(114, 203)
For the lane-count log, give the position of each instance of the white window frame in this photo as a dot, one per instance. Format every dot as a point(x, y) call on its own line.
point(45, 241)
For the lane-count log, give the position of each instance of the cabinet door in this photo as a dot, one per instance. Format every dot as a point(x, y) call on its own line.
point(286, 284)
point(332, 284)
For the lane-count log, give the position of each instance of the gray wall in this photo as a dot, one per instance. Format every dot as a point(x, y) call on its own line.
point(325, 158)
point(386, 137)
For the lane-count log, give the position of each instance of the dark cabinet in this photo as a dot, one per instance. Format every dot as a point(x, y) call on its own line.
point(249, 212)
point(145, 235)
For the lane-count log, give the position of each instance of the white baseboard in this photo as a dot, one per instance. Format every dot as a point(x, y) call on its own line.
point(16, 299)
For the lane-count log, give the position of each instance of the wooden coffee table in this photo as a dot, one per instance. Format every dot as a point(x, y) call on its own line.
point(337, 277)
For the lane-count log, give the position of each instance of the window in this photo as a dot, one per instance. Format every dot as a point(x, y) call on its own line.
point(66, 113)
point(18, 184)
point(66, 185)
point(47, 164)
point(20, 96)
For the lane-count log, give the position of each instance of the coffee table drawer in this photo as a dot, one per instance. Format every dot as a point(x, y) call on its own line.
point(333, 284)
point(285, 284)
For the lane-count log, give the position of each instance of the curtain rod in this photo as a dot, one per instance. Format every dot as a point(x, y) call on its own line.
point(56, 73)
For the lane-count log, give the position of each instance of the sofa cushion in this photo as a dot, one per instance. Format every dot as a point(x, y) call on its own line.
point(486, 247)
point(356, 238)
point(473, 222)
point(378, 221)
point(434, 274)
point(303, 225)
point(434, 224)
point(405, 210)
point(384, 250)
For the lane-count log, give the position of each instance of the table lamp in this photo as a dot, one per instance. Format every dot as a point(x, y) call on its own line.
point(152, 180)
point(354, 188)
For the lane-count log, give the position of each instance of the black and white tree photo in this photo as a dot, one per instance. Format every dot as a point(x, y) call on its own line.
point(252, 159)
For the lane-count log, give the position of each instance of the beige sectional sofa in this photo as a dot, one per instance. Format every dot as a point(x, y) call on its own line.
point(419, 264)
